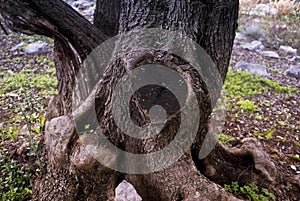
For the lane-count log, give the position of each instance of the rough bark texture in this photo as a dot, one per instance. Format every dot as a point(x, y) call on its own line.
point(72, 174)
point(108, 22)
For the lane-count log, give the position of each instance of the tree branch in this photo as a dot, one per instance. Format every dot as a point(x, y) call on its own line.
point(53, 18)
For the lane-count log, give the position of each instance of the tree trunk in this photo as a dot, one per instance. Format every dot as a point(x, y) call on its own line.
point(72, 172)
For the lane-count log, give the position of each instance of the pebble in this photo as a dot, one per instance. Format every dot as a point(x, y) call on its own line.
point(293, 71)
point(288, 49)
point(255, 30)
point(240, 36)
point(17, 47)
point(263, 10)
point(271, 54)
point(293, 167)
point(295, 58)
point(36, 47)
point(254, 69)
point(254, 45)
point(126, 192)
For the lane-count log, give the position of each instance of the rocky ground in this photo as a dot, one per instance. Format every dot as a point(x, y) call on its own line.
point(265, 106)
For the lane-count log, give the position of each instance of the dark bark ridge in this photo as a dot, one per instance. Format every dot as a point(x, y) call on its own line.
point(72, 174)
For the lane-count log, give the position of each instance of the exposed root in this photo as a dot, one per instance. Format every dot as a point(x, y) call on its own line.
point(247, 162)
point(181, 181)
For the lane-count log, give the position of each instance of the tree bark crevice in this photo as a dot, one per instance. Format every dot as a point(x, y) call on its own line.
point(108, 22)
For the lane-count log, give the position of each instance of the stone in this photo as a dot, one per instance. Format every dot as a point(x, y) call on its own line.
point(263, 10)
point(17, 47)
point(293, 71)
point(254, 45)
point(240, 36)
point(271, 54)
point(36, 47)
point(58, 134)
point(255, 30)
point(295, 59)
point(254, 69)
point(82, 160)
point(288, 49)
point(126, 192)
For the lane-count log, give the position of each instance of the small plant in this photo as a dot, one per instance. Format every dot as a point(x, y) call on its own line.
point(224, 139)
point(19, 82)
point(15, 184)
point(9, 132)
point(247, 106)
point(249, 192)
point(268, 134)
point(24, 91)
point(295, 157)
point(243, 84)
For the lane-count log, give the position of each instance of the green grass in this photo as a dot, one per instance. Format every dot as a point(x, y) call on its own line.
point(9, 131)
point(243, 84)
point(15, 183)
point(24, 93)
point(26, 83)
point(224, 139)
point(247, 106)
point(14, 84)
point(249, 192)
point(268, 134)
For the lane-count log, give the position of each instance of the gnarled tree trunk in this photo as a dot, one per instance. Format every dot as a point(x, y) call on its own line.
point(72, 173)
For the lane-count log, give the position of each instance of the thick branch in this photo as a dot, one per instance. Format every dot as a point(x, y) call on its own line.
point(53, 18)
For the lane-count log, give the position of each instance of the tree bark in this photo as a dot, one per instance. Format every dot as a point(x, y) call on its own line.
point(72, 173)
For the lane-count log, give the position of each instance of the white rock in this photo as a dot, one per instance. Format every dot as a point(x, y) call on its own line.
point(254, 45)
point(263, 10)
point(255, 30)
point(126, 192)
point(254, 69)
point(295, 58)
point(240, 36)
point(293, 167)
point(288, 49)
point(22, 44)
point(271, 54)
point(293, 71)
point(36, 47)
